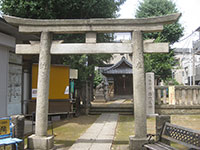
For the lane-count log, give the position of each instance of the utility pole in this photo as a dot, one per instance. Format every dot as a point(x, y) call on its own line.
point(193, 67)
point(195, 50)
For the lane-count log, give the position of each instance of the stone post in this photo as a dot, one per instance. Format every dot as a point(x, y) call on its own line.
point(43, 85)
point(40, 140)
point(172, 100)
point(139, 139)
point(18, 121)
point(160, 120)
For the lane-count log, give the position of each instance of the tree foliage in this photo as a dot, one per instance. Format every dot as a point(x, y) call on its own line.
point(160, 64)
point(69, 9)
point(61, 9)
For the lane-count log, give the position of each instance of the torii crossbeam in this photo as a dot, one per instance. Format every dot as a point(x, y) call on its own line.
point(90, 27)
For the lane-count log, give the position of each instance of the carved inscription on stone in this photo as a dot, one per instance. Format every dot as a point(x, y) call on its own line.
point(150, 93)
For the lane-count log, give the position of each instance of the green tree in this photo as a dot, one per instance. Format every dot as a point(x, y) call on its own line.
point(160, 64)
point(61, 9)
point(69, 9)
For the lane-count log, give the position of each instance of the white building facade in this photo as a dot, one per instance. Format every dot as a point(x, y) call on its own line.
point(188, 68)
point(11, 71)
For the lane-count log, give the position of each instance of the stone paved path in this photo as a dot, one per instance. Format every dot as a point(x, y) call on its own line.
point(100, 135)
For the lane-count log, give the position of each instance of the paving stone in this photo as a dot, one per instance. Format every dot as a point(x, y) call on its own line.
point(100, 135)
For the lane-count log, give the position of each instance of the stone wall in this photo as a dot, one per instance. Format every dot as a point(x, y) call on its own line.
point(177, 110)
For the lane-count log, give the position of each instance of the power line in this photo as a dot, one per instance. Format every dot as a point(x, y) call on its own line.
point(187, 36)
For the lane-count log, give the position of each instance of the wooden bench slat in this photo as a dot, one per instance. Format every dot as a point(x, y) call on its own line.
point(159, 146)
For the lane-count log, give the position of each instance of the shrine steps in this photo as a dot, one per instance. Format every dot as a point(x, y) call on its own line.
point(120, 110)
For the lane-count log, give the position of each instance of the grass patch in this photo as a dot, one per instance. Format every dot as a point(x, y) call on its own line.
point(188, 121)
point(125, 128)
point(68, 131)
point(128, 101)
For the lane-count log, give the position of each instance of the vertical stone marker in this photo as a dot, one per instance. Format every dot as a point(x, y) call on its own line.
point(150, 93)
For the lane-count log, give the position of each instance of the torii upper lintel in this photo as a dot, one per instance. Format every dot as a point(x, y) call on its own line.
point(152, 24)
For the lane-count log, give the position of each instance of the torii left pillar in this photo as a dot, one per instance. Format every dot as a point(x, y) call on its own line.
point(136, 142)
point(40, 140)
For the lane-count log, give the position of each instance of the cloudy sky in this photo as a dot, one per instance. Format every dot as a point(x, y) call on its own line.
point(190, 19)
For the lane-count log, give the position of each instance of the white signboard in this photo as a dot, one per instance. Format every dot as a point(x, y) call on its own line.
point(34, 93)
point(67, 90)
point(73, 74)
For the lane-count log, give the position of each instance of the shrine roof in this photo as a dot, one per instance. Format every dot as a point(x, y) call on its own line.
point(13, 31)
point(122, 67)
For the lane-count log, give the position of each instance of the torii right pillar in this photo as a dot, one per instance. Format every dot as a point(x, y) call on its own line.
point(136, 142)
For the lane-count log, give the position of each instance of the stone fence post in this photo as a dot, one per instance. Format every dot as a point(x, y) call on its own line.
point(18, 129)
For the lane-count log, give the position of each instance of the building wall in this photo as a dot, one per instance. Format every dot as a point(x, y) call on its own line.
point(14, 84)
point(179, 76)
point(185, 69)
point(55, 106)
point(3, 80)
point(10, 77)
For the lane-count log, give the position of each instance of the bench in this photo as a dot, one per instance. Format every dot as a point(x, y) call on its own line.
point(6, 133)
point(174, 133)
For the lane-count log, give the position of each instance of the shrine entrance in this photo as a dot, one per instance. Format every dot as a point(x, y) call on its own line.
point(46, 47)
point(120, 79)
point(123, 85)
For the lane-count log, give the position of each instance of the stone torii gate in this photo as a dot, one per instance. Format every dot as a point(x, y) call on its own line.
point(90, 27)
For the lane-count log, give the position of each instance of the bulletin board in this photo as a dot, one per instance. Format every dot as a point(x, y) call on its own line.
point(59, 82)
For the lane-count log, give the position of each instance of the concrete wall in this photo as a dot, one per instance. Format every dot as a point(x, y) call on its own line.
point(3, 80)
point(14, 84)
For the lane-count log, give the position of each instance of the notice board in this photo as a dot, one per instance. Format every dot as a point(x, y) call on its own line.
point(59, 82)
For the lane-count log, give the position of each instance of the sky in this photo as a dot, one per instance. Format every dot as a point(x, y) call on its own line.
point(190, 18)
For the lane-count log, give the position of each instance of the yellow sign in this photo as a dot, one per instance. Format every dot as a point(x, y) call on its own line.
point(4, 126)
point(59, 80)
point(172, 100)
